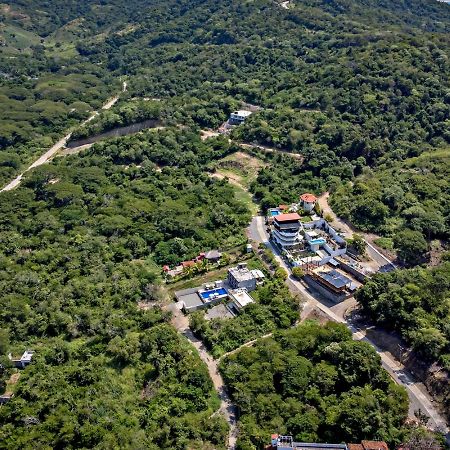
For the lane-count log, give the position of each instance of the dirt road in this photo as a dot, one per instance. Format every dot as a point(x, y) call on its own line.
point(59, 145)
point(418, 397)
point(227, 409)
point(271, 150)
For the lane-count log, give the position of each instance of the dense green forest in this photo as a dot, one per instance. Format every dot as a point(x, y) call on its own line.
point(401, 300)
point(359, 88)
point(414, 303)
point(315, 383)
point(79, 245)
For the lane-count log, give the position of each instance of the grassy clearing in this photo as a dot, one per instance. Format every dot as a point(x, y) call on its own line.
point(17, 39)
point(241, 167)
point(386, 243)
point(219, 274)
point(247, 198)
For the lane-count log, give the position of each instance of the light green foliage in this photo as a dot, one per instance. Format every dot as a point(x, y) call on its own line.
point(298, 272)
point(78, 243)
point(410, 195)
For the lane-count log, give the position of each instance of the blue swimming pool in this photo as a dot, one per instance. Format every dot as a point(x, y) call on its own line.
point(319, 241)
point(219, 292)
point(274, 212)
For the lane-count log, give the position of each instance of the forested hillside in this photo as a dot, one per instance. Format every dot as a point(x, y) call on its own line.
point(314, 383)
point(348, 84)
point(360, 89)
point(75, 259)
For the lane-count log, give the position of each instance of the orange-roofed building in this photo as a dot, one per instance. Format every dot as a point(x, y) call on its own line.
point(308, 201)
point(291, 217)
point(283, 207)
point(287, 230)
point(188, 263)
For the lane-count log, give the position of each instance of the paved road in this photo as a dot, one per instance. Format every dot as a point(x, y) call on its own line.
point(419, 399)
point(383, 263)
point(59, 145)
point(227, 408)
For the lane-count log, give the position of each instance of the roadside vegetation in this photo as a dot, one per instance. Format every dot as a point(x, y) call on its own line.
point(414, 303)
point(81, 243)
point(315, 383)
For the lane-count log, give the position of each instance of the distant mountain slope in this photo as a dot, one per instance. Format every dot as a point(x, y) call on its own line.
point(429, 15)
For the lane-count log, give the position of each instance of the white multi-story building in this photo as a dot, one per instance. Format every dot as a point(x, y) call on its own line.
point(287, 230)
point(238, 117)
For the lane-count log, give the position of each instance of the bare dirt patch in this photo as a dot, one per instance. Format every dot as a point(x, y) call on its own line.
point(240, 168)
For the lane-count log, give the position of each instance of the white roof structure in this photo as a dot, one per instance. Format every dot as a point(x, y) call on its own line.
point(241, 298)
point(257, 274)
point(242, 113)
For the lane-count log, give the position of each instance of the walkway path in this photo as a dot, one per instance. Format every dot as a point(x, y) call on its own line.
point(246, 344)
point(59, 145)
point(382, 261)
point(227, 409)
point(418, 397)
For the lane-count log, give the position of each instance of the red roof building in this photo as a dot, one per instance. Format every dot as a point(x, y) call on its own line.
point(166, 268)
point(291, 217)
point(188, 263)
point(308, 198)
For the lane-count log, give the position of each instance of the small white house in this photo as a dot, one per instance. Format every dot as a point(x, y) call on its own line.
point(23, 361)
point(240, 298)
point(238, 117)
point(308, 201)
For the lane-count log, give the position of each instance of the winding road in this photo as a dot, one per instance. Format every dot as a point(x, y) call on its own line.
point(60, 144)
point(418, 397)
point(227, 408)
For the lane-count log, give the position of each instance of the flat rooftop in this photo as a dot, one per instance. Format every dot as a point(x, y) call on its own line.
point(241, 297)
point(191, 300)
point(241, 273)
point(242, 112)
point(335, 278)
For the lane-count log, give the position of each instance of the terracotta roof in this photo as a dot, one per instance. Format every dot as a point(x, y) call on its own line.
point(308, 198)
point(355, 447)
point(374, 445)
point(166, 268)
point(287, 217)
point(283, 207)
point(188, 263)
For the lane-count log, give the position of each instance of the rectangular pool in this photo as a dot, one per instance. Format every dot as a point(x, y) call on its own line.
point(274, 212)
point(213, 293)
